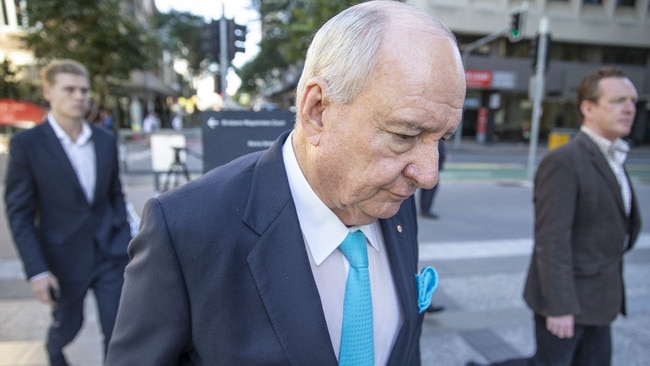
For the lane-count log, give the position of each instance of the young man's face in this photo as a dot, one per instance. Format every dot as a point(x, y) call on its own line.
point(68, 96)
point(612, 115)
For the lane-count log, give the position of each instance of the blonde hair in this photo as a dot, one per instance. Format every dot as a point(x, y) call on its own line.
point(63, 66)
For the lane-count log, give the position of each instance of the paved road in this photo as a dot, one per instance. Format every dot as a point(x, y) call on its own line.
point(480, 246)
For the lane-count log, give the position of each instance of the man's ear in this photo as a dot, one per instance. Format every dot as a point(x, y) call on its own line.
point(311, 109)
point(585, 107)
point(46, 92)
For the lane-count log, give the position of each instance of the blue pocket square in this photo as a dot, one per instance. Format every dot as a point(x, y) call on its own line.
point(427, 282)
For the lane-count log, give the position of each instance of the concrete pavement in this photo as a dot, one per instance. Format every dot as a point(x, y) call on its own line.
point(480, 246)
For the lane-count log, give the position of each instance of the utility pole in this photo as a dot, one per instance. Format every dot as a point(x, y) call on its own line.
point(223, 53)
point(538, 94)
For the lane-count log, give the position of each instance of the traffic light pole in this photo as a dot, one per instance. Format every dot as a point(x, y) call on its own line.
point(223, 54)
point(538, 94)
point(515, 32)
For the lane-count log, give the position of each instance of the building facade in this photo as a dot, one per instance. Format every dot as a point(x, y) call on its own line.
point(145, 90)
point(584, 34)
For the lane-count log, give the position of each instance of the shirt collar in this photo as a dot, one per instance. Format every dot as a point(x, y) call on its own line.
point(617, 149)
point(83, 138)
point(322, 229)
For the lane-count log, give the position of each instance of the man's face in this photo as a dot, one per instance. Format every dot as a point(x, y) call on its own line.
point(612, 115)
point(68, 96)
point(375, 152)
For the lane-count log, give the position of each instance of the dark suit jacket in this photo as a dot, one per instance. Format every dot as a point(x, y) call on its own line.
point(220, 275)
point(53, 225)
point(580, 231)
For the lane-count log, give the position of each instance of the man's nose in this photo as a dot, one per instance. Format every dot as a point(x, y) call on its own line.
point(630, 106)
point(423, 168)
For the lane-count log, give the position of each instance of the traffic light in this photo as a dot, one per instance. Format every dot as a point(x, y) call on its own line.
point(210, 40)
point(516, 26)
point(534, 49)
point(217, 85)
point(236, 38)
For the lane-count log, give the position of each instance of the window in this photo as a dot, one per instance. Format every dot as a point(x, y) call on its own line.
point(625, 2)
point(625, 55)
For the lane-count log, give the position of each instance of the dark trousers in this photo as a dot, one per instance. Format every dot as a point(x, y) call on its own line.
point(426, 198)
point(68, 314)
point(589, 346)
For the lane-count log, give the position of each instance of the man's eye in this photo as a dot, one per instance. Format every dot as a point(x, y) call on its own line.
point(404, 137)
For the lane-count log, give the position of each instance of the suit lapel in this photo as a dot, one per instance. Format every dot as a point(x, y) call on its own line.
point(403, 263)
point(102, 171)
point(603, 168)
point(58, 155)
point(280, 266)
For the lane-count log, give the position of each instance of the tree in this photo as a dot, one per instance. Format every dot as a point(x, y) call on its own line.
point(8, 82)
point(99, 33)
point(182, 36)
point(287, 29)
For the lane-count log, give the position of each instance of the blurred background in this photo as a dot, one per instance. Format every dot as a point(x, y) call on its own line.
point(170, 57)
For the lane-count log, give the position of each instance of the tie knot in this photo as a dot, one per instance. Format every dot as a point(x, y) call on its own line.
point(354, 249)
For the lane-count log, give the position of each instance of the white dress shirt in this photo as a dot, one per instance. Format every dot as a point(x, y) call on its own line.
point(615, 153)
point(323, 233)
point(81, 154)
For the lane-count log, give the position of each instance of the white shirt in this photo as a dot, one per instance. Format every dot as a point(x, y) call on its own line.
point(615, 153)
point(81, 154)
point(323, 233)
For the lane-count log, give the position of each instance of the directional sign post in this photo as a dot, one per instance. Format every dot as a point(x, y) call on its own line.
point(231, 134)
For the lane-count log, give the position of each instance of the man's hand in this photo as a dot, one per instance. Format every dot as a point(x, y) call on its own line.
point(560, 326)
point(41, 288)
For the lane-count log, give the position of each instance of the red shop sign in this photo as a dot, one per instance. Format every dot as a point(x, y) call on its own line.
point(478, 79)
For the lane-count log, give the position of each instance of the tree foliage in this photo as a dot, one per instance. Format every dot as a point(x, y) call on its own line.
point(182, 36)
point(101, 34)
point(287, 29)
point(8, 81)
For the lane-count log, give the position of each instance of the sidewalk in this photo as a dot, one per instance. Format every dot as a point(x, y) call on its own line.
point(480, 247)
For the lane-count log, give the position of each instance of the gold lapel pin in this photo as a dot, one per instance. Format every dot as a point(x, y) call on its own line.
point(399, 228)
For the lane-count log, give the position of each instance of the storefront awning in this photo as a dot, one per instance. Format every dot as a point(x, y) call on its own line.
point(20, 114)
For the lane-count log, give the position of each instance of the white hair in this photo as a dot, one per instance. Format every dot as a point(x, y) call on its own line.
point(345, 50)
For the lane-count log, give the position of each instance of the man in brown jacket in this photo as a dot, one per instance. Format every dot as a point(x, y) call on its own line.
point(586, 218)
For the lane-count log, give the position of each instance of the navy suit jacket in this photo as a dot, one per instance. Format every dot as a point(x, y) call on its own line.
point(53, 225)
point(220, 275)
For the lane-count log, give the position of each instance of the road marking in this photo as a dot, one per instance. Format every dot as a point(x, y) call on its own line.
point(11, 269)
point(491, 248)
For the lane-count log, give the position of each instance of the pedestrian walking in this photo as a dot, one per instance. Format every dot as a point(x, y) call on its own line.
point(586, 218)
point(66, 209)
point(427, 196)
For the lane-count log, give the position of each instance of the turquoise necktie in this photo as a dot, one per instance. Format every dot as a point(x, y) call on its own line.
point(357, 345)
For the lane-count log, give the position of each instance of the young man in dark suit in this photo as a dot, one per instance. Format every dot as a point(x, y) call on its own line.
point(586, 218)
point(243, 265)
point(66, 208)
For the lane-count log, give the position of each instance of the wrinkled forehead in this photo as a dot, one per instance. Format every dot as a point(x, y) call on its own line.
point(433, 61)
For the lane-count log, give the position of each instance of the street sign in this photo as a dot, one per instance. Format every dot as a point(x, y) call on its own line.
point(231, 134)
